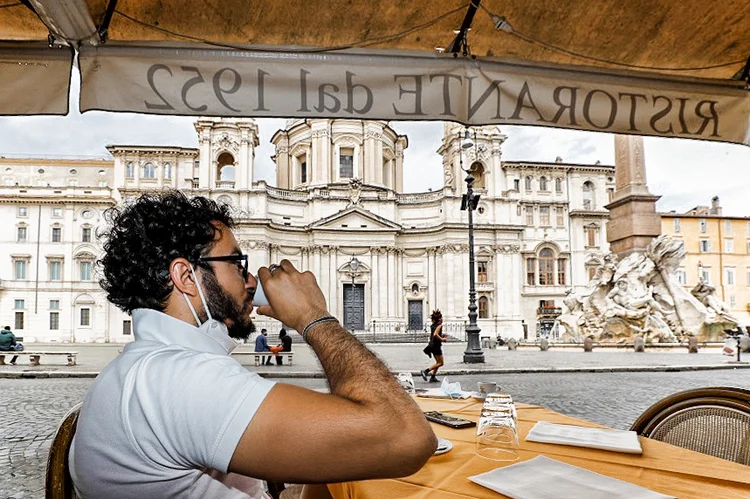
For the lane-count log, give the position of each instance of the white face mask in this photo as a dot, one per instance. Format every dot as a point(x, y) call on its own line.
point(210, 322)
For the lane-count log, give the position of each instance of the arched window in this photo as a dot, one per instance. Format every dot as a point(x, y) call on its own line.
point(225, 167)
point(542, 183)
point(588, 196)
point(546, 267)
point(130, 170)
point(484, 307)
point(558, 185)
point(527, 184)
point(477, 171)
point(149, 170)
point(167, 170)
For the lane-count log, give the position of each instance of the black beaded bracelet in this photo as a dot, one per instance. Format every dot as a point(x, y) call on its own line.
point(321, 320)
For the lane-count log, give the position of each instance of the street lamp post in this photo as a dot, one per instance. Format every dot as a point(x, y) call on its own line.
point(473, 353)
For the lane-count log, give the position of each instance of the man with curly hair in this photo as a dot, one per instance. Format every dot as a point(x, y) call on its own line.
point(175, 416)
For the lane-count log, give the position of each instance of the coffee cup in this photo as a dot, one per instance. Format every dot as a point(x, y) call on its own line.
point(259, 298)
point(485, 387)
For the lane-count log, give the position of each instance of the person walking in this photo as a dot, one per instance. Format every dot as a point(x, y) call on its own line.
point(8, 343)
point(261, 345)
point(284, 346)
point(436, 346)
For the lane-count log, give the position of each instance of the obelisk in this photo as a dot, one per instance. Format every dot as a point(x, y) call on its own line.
point(633, 221)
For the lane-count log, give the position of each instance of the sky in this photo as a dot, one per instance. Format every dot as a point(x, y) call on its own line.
point(686, 173)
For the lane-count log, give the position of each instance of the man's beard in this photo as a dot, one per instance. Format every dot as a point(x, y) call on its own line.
point(224, 309)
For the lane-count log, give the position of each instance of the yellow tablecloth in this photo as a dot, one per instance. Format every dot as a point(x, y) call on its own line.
point(662, 467)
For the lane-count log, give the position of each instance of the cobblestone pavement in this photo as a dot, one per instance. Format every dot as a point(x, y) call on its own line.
point(30, 409)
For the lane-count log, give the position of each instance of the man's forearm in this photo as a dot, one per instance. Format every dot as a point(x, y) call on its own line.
point(352, 370)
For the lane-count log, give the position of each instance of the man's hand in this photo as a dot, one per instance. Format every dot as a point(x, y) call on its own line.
point(294, 298)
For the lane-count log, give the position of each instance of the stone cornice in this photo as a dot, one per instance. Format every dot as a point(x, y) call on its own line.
point(561, 167)
point(589, 214)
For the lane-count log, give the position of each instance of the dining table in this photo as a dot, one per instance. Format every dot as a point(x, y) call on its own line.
point(661, 467)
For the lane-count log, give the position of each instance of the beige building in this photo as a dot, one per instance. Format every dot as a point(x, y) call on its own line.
point(718, 251)
point(384, 258)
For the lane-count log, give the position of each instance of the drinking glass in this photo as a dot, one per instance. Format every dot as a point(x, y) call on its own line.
point(501, 401)
point(406, 381)
point(497, 435)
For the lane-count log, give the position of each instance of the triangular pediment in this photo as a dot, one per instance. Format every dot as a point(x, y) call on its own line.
point(355, 218)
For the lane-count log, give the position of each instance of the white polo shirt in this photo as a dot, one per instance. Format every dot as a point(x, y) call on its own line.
point(164, 418)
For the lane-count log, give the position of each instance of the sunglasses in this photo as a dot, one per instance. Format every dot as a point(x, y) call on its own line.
point(240, 261)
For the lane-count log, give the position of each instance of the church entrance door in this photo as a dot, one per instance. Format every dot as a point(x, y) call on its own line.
point(354, 307)
point(415, 315)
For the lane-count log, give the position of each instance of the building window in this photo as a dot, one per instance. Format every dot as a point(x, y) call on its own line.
point(19, 320)
point(546, 267)
point(527, 184)
point(225, 167)
point(127, 327)
point(55, 270)
point(517, 185)
point(130, 170)
point(590, 271)
point(21, 234)
point(591, 235)
point(544, 216)
point(482, 271)
point(732, 301)
point(57, 212)
point(727, 226)
point(346, 163)
point(703, 225)
point(588, 195)
point(610, 194)
point(560, 216)
point(85, 271)
point(85, 316)
point(54, 321)
point(530, 215)
point(23, 211)
point(705, 274)
point(477, 171)
point(728, 245)
point(73, 182)
point(677, 225)
point(562, 267)
point(682, 277)
point(531, 271)
point(86, 234)
point(303, 169)
point(19, 270)
point(149, 170)
point(542, 183)
point(19, 304)
point(167, 171)
point(484, 305)
point(705, 246)
point(729, 276)
point(56, 234)
point(558, 185)
point(54, 304)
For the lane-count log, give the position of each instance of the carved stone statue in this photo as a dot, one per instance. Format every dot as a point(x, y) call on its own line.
point(355, 191)
point(641, 295)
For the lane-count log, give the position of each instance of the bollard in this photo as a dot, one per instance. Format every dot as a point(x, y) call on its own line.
point(692, 344)
point(588, 344)
point(639, 345)
point(745, 344)
point(512, 344)
point(544, 345)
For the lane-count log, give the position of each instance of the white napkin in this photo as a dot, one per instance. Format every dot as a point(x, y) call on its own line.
point(545, 478)
point(438, 393)
point(579, 436)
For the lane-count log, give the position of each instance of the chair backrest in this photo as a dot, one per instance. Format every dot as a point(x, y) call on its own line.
point(713, 421)
point(58, 484)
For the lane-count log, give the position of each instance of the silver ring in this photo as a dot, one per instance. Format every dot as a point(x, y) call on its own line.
point(273, 267)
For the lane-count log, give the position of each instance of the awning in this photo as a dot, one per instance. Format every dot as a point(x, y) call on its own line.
point(641, 57)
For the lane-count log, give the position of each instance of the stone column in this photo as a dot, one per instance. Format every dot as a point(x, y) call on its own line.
point(633, 219)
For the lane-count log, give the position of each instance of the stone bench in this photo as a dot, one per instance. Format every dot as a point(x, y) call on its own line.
point(34, 357)
point(258, 355)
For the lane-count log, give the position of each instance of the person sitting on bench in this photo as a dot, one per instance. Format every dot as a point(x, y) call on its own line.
point(8, 343)
point(284, 346)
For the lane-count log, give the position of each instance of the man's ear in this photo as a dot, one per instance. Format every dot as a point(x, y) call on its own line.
point(182, 277)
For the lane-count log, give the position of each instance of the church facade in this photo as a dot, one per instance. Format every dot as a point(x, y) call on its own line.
point(383, 258)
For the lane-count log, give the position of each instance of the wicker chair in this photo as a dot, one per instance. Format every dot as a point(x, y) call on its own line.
point(58, 484)
point(714, 421)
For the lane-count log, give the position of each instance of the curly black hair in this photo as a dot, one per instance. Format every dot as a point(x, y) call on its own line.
point(142, 239)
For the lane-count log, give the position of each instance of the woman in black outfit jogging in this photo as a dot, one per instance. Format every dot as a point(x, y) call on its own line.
point(436, 345)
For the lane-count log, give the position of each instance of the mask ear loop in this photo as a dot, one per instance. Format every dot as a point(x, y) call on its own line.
point(203, 299)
